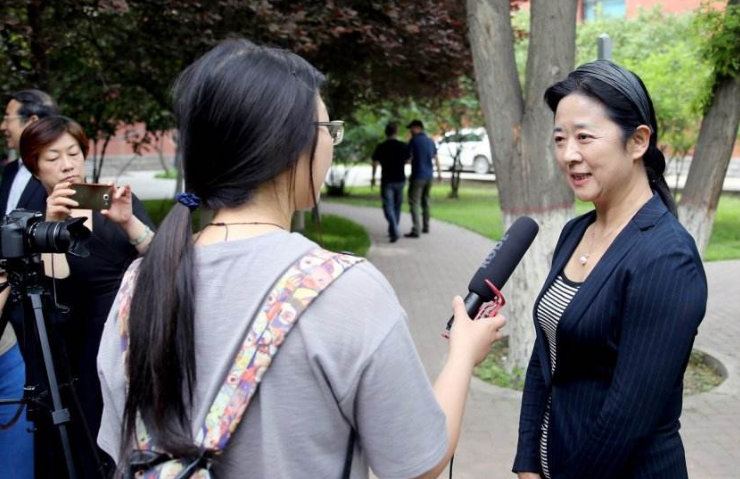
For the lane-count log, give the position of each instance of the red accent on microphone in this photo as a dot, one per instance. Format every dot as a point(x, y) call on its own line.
point(490, 308)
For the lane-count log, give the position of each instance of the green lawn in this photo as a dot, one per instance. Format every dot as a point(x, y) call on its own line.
point(338, 234)
point(477, 210)
point(335, 233)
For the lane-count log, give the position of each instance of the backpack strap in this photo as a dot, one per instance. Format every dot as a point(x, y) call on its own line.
point(289, 297)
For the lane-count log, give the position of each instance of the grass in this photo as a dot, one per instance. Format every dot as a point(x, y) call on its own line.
point(725, 240)
point(335, 233)
point(700, 375)
point(338, 234)
point(491, 370)
point(477, 210)
point(167, 175)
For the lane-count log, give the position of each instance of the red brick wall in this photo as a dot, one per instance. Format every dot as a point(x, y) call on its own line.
point(119, 146)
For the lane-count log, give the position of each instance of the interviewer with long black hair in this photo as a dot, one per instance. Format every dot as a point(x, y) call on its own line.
point(617, 316)
point(256, 145)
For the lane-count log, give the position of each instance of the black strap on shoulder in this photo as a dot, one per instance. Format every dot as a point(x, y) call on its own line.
point(350, 452)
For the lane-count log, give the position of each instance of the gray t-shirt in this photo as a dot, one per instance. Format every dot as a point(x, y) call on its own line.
point(349, 360)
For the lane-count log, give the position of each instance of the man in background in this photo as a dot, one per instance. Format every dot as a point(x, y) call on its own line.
point(423, 151)
point(392, 156)
point(18, 188)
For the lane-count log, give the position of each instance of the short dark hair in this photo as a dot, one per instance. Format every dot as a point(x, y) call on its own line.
point(391, 129)
point(415, 123)
point(625, 114)
point(34, 103)
point(39, 135)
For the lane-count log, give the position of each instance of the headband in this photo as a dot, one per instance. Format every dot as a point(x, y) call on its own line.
point(622, 80)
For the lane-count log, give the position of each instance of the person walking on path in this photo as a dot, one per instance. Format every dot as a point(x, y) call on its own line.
point(423, 151)
point(391, 155)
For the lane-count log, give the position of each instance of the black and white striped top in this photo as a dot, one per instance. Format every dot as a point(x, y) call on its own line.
point(549, 311)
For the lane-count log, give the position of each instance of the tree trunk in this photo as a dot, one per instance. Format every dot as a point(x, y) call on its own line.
point(712, 156)
point(520, 131)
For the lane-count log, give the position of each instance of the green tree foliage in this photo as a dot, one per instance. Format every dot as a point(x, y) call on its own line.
point(720, 35)
point(111, 62)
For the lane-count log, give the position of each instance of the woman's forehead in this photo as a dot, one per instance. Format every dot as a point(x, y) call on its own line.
point(62, 143)
point(580, 111)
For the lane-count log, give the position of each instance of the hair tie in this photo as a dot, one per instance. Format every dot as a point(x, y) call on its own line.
point(188, 199)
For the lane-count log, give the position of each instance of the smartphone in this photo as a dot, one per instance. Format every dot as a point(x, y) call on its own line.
point(92, 196)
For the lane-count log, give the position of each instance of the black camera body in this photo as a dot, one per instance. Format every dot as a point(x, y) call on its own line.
point(24, 234)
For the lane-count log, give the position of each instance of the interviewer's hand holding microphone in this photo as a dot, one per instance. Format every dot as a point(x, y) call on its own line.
point(470, 340)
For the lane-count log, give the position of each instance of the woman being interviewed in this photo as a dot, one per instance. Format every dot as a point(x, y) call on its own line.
point(617, 316)
point(256, 145)
point(54, 151)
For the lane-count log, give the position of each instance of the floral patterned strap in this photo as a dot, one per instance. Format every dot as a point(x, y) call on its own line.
point(293, 292)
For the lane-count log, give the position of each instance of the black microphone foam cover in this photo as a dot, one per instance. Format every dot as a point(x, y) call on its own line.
point(505, 257)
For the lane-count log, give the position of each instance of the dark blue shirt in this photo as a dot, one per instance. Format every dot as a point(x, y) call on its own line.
point(423, 150)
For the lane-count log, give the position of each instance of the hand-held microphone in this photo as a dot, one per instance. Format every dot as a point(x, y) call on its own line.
point(499, 264)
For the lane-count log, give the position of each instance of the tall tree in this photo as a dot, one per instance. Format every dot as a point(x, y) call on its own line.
point(520, 129)
point(719, 128)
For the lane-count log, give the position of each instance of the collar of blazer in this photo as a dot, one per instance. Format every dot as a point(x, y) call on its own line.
point(644, 219)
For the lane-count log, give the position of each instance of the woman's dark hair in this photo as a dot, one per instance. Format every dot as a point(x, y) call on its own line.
point(623, 109)
point(246, 114)
point(40, 134)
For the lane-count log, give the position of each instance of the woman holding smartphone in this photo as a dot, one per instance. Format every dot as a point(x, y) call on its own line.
point(54, 150)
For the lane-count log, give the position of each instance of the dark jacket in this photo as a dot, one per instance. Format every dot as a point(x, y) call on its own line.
point(33, 197)
point(623, 345)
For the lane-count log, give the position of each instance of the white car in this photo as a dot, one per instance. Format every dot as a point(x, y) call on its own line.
point(472, 146)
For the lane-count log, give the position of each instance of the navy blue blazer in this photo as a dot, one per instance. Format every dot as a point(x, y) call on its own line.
point(33, 197)
point(623, 345)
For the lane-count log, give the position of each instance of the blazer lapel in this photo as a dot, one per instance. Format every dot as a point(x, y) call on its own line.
point(645, 218)
point(558, 263)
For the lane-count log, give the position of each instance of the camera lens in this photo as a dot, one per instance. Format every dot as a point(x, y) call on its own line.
point(49, 237)
point(59, 236)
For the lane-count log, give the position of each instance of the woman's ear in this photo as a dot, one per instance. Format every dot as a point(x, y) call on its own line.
point(640, 141)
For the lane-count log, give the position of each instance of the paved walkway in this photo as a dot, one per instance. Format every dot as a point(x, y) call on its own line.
point(426, 273)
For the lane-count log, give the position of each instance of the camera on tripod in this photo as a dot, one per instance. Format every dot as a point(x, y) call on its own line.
point(24, 234)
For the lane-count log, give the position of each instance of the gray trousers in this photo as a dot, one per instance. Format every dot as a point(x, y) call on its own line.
point(419, 198)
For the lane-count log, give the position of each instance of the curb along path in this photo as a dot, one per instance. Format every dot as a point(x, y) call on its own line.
point(427, 272)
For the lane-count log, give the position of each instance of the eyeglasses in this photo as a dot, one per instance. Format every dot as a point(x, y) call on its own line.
point(10, 117)
point(336, 130)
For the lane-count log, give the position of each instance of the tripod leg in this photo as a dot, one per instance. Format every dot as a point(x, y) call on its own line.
point(60, 415)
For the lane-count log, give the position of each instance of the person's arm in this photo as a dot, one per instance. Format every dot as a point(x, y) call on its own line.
point(121, 212)
point(58, 208)
point(470, 343)
point(664, 304)
point(409, 429)
point(439, 167)
point(4, 294)
point(372, 177)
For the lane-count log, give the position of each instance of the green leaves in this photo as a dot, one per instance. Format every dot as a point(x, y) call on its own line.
point(719, 34)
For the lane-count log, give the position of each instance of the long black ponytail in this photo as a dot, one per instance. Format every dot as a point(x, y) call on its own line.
point(245, 114)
